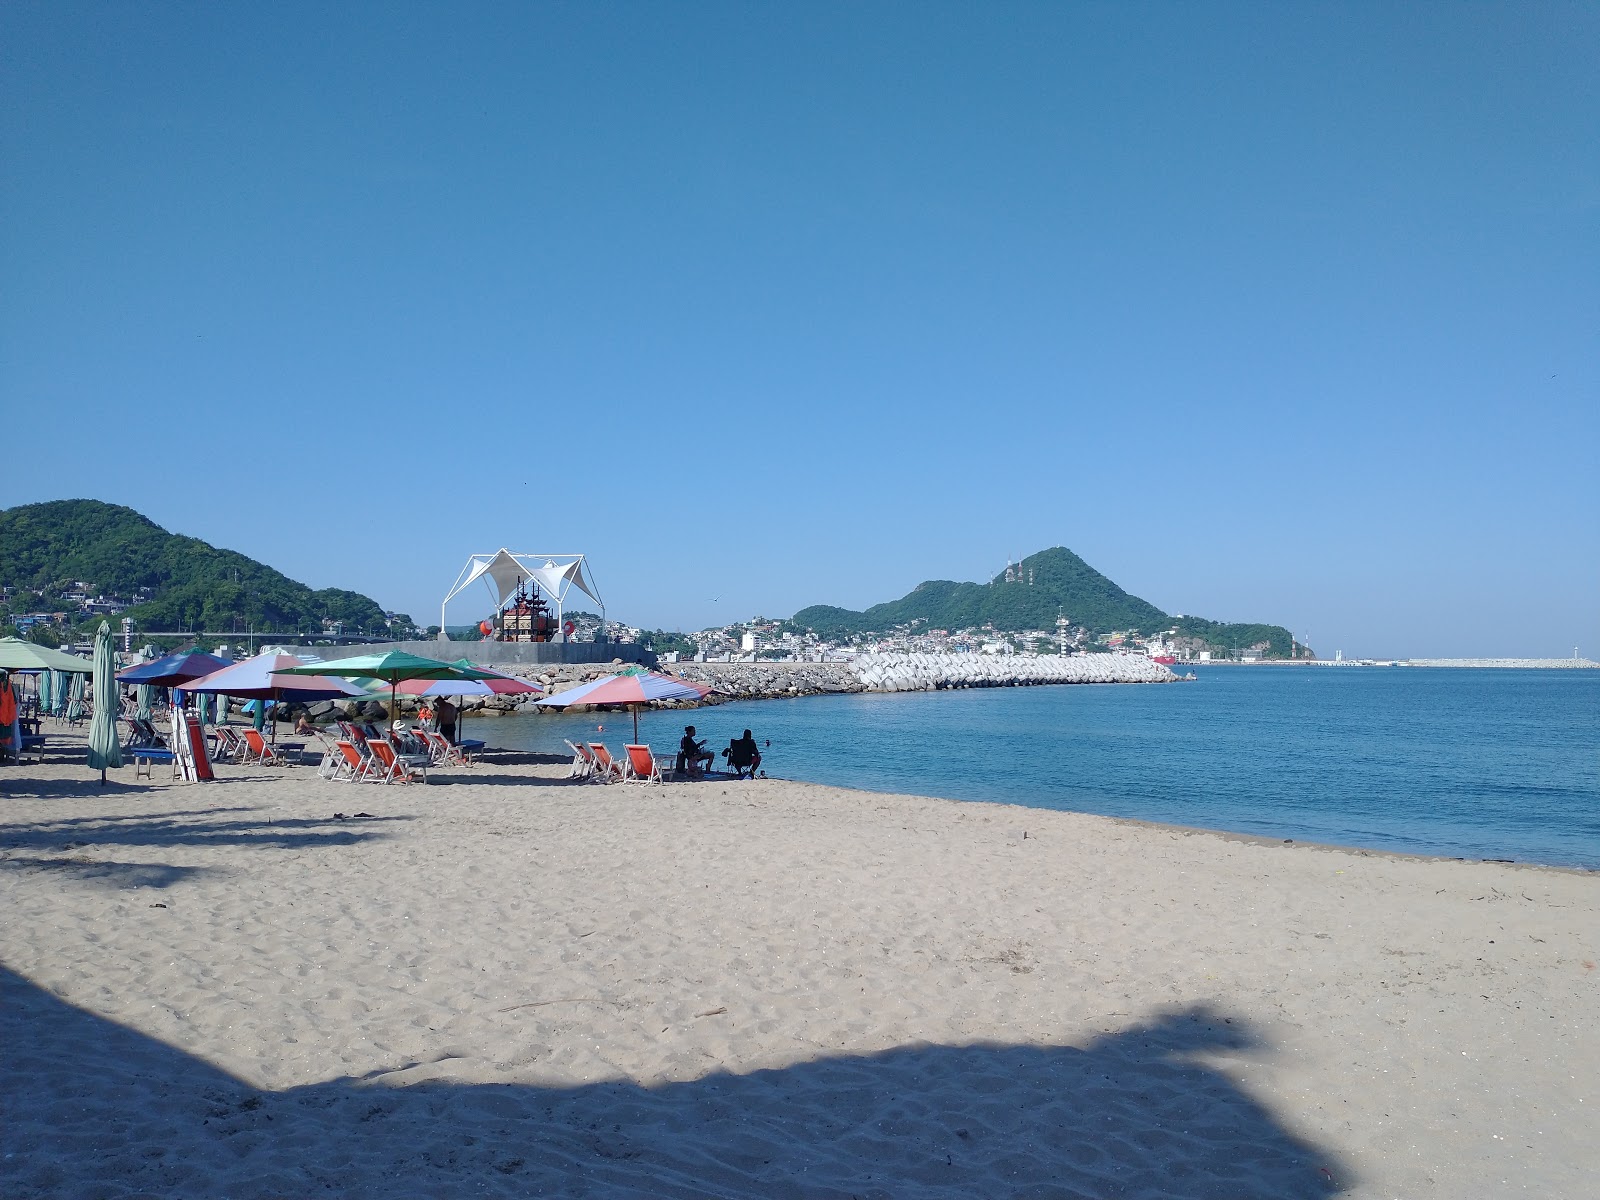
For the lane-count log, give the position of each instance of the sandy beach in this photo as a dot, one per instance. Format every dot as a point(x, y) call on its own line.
point(506, 983)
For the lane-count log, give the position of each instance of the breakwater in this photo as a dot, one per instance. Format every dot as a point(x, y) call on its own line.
point(930, 672)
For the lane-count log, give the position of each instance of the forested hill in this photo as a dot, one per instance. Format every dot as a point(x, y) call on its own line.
point(191, 585)
point(1044, 586)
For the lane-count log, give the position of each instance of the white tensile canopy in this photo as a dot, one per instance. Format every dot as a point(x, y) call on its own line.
point(503, 572)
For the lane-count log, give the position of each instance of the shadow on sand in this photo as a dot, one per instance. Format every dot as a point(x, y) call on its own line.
point(1134, 1113)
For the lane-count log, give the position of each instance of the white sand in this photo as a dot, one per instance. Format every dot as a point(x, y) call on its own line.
point(506, 984)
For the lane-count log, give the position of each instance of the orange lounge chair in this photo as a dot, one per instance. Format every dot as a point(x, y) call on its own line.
point(353, 766)
point(393, 767)
point(608, 766)
point(257, 750)
point(643, 767)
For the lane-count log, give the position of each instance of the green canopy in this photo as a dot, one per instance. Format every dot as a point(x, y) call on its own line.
point(104, 748)
point(18, 655)
point(393, 667)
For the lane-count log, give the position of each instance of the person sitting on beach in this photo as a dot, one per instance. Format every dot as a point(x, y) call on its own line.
point(693, 755)
point(743, 756)
point(303, 725)
point(445, 714)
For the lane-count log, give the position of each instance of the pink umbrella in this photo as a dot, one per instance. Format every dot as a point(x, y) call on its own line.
point(633, 690)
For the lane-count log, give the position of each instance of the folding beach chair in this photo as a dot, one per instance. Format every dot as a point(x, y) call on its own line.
point(229, 744)
point(583, 764)
point(257, 750)
point(352, 766)
point(442, 751)
point(396, 768)
point(643, 767)
point(608, 767)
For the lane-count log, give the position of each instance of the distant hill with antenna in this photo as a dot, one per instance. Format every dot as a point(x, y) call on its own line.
point(1031, 595)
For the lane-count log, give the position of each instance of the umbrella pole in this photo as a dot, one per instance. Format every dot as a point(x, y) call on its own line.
point(635, 708)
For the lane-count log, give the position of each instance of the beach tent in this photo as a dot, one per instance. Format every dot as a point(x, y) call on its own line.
point(18, 655)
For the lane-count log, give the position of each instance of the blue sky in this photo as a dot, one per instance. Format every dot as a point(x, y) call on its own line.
point(1271, 312)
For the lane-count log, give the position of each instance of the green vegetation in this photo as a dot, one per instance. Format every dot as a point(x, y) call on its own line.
point(1061, 582)
point(180, 583)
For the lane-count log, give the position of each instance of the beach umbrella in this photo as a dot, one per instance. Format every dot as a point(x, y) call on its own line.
point(634, 690)
point(104, 748)
point(18, 655)
point(394, 667)
point(147, 695)
point(174, 670)
point(264, 678)
point(75, 697)
point(46, 682)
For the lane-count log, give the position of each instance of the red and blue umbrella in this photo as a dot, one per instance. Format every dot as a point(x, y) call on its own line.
point(633, 690)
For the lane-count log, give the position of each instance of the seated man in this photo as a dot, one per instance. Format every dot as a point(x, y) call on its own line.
point(693, 755)
point(743, 756)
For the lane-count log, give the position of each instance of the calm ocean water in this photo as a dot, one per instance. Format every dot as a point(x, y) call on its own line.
point(1483, 763)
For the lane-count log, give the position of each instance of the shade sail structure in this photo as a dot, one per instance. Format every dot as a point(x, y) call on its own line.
point(263, 678)
point(504, 572)
point(394, 667)
point(18, 655)
point(633, 691)
point(174, 670)
point(105, 749)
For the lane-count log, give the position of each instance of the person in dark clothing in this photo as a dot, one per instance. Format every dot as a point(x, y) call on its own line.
point(445, 714)
point(743, 756)
point(692, 754)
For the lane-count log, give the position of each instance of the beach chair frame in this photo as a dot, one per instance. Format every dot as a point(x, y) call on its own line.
point(608, 767)
point(642, 766)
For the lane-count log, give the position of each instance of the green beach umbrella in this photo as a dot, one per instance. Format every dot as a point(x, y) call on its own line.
point(58, 692)
point(75, 698)
point(146, 695)
point(18, 655)
point(45, 679)
point(393, 667)
point(104, 748)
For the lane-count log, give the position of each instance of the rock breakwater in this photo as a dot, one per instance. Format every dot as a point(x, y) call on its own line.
point(927, 672)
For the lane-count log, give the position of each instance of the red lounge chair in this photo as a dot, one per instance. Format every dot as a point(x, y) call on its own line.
point(604, 763)
point(257, 750)
point(395, 768)
point(354, 767)
point(643, 767)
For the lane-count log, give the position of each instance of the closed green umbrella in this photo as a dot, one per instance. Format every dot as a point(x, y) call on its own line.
point(75, 698)
point(104, 748)
point(58, 693)
point(45, 678)
point(146, 695)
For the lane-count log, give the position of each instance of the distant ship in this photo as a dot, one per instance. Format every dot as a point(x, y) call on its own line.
point(1166, 660)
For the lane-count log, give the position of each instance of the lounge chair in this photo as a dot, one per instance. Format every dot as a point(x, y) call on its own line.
point(257, 750)
point(643, 767)
point(229, 744)
point(608, 767)
point(396, 768)
point(442, 751)
point(583, 764)
point(353, 766)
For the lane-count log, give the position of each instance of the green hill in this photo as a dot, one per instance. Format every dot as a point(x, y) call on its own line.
point(1042, 587)
point(190, 584)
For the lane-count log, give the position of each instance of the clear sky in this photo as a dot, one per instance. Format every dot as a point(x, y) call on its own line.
point(1271, 312)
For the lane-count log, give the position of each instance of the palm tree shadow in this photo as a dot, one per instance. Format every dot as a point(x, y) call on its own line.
point(1131, 1114)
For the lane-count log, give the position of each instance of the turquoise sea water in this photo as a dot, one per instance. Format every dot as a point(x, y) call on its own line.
point(1485, 763)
